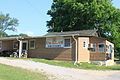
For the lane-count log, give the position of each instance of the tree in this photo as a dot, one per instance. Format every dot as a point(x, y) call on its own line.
point(21, 34)
point(72, 15)
point(7, 23)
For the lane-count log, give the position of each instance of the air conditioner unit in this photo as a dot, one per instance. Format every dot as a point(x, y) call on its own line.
point(91, 45)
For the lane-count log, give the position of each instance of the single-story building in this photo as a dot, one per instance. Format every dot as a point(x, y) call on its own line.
point(78, 46)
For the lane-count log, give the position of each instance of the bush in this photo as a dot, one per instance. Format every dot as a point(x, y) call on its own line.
point(6, 53)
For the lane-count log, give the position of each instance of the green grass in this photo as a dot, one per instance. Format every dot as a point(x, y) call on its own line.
point(13, 73)
point(70, 64)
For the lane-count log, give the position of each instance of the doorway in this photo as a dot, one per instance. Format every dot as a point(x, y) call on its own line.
point(24, 45)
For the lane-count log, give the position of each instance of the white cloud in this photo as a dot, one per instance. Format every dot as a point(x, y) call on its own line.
point(29, 33)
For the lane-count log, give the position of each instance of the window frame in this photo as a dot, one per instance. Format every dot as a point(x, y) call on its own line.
point(70, 42)
point(14, 44)
point(99, 48)
point(95, 48)
point(30, 44)
point(1, 44)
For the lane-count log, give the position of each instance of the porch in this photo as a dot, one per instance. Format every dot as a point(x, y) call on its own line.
point(14, 48)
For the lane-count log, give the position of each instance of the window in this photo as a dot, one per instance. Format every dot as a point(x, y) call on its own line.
point(0, 44)
point(92, 47)
point(32, 44)
point(55, 42)
point(111, 49)
point(67, 42)
point(15, 45)
point(58, 42)
point(101, 47)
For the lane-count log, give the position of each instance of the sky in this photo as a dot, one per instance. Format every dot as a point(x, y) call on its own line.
point(32, 15)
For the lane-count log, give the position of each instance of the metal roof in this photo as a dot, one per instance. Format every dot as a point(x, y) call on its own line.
point(54, 34)
point(70, 33)
point(15, 38)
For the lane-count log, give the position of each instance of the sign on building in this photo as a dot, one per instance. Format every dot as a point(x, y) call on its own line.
point(55, 42)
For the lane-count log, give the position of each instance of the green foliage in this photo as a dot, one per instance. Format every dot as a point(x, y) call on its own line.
point(21, 34)
point(12, 73)
point(72, 15)
point(3, 34)
point(7, 23)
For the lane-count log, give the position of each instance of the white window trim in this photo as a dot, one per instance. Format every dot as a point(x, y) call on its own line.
point(64, 42)
point(95, 47)
point(104, 47)
point(30, 43)
point(14, 44)
point(1, 44)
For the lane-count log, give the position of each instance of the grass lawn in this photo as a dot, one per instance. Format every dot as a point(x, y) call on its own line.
point(70, 64)
point(13, 73)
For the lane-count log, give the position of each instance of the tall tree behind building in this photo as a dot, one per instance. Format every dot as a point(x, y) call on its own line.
point(72, 15)
point(7, 23)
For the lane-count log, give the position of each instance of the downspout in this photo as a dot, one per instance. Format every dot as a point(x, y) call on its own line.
point(76, 50)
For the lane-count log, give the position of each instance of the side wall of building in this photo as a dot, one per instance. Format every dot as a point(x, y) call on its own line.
point(110, 49)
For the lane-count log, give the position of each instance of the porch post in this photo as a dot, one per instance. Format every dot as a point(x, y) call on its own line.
point(20, 48)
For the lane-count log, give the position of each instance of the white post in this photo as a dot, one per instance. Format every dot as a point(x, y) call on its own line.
point(20, 48)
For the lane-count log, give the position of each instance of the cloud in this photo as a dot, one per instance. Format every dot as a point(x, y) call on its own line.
point(29, 33)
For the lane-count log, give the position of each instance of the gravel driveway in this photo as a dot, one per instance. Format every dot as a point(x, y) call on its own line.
point(61, 73)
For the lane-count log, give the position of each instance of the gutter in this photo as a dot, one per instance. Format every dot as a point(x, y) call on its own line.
point(76, 50)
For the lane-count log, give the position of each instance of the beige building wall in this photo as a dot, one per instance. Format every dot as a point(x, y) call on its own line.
point(83, 52)
point(107, 51)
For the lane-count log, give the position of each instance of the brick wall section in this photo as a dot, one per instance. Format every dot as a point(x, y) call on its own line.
point(41, 51)
point(97, 56)
point(7, 45)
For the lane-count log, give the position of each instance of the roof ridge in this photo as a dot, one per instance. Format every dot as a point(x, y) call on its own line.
point(74, 31)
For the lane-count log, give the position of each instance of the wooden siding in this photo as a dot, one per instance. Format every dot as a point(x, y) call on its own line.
point(97, 56)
